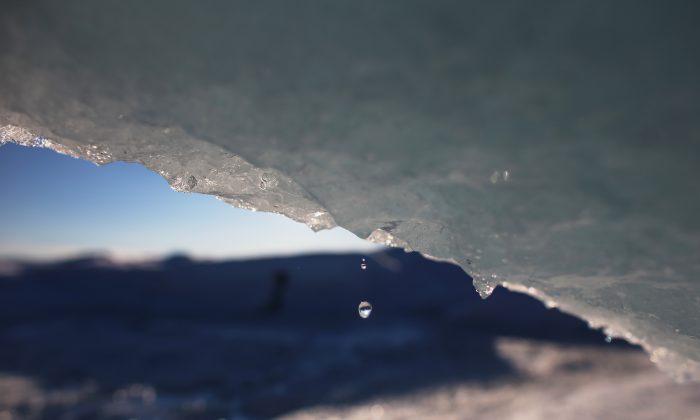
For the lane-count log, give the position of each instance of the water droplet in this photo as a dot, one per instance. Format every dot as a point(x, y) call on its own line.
point(363, 264)
point(506, 175)
point(365, 309)
point(483, 289)
point(494, 177)
point(608, 339)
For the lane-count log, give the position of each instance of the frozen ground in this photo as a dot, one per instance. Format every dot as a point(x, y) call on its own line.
point(180, 339)
point(549, 381)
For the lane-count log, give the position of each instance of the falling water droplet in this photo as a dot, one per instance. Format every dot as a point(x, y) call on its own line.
point(506, 176)
point(608, 339)
point(363, 264)
point(365, 309)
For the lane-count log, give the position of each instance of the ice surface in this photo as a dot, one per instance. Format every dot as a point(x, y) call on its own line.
point(548, 147)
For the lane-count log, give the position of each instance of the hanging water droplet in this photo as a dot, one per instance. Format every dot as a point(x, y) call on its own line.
point(363, 264)
point(483, 288)
point(494, 177)
point(608, 339)
point(365, 309)
point(506, 175)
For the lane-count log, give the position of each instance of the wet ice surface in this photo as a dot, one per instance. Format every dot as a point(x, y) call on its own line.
point(193, 340)
point(548, 147)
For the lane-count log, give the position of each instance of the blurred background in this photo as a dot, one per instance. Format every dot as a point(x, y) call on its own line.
point(120, 298)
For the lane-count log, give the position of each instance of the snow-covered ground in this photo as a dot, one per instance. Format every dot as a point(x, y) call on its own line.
point(551, 381)
point(90, 339)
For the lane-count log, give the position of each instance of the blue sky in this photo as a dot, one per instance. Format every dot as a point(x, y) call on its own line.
point(54, 206)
